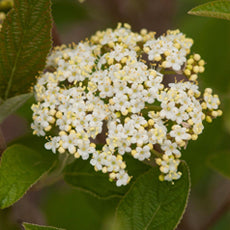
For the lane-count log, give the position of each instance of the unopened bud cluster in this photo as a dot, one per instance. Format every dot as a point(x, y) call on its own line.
point(116, 79)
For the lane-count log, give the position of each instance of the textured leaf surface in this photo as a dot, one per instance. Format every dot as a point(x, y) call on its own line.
point(81, 175)
point(221, 162)
point(151, 204)
point(25, 40)
point(215, 9)
point(28, 226)
point(11, 105)
point(20, 168)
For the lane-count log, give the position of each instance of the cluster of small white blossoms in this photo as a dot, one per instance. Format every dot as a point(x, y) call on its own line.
point(115, 80)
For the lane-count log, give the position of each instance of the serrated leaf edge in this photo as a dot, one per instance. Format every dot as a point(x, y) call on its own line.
point(201, 13)
point(11, 12)
point(188, 194)
point(130, 189)
point(25, 223)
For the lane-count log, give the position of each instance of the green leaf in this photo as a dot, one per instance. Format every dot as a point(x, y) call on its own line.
point(81, 175)
point(28, 226)
point(25, 40)
point(12, 104)
point(220, 162)
point(20, 168)
point(152, 204)
point(215, 9)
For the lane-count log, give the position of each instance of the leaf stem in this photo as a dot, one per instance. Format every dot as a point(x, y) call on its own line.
point(151, 160)
point(63, 163)
point(156, 153)
point(154, 108)
point(56, 175)
point(170, 72)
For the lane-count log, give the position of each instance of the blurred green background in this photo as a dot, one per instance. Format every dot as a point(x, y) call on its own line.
point(65, 207)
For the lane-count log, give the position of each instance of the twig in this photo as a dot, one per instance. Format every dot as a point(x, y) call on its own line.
point(2, 142)
point(55, 176)
point(151, 161)
point(55, 36)
point(217, 215)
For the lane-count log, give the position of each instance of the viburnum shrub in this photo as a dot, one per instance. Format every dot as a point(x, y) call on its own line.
point(111, 115)
point(116, 82)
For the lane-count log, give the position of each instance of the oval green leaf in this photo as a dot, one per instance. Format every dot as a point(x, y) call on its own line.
point(25, 40)
point(29, 226)
point(12, 104)
point(215, 9)
point(20, 168)
point(151, 204)
point(220, 162)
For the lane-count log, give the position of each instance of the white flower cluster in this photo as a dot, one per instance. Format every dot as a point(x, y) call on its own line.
point(174, 47)
point(115, 80)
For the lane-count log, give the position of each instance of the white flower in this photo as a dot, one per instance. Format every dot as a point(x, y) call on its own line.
point(168, 110)
point(174, 61)
point(142, 153)
point(170, 148)
point(211, 101)
point(84, 149)
point(113, 164)
point(180, 115)
point(38, 128)
point(122, 178)
point(173, 176)
point(44, 118)
point(138, 121)
point(69, 142)
point(179, 133)
point(63, 123)
point(196, 115)
point(96, 160)
point(139, 136)
point(53, 144)
point(124, 147)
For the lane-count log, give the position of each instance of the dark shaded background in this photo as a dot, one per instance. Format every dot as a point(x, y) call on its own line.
point(64, 207)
